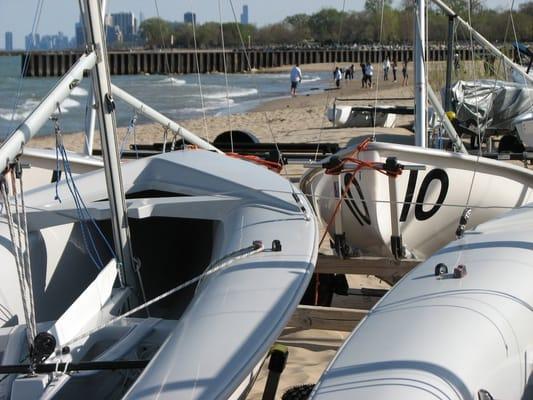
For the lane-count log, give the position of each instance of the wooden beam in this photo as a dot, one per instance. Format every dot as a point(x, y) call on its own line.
point(326, 318)
point(377, 266)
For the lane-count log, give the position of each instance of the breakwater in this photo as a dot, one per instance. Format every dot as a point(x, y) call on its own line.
point(49, 63)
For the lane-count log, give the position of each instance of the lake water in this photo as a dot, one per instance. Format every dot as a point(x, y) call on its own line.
point(177, 96)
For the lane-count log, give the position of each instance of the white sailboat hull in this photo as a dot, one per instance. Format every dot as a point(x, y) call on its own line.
point(345, 117)
point(440, 337)
point(186, 209)
point(430, 201)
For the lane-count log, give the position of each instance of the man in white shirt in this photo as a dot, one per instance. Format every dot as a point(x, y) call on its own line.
point(386, 67)
point(369, 73)
point(296, 78)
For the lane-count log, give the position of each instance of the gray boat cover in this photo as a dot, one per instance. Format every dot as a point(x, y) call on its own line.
point(495, 104)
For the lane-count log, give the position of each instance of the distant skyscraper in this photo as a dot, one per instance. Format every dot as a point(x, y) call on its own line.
point(32, 42)
point(189, 17)
point(244, 15)
point(127, 23)
point(79, 34)
point(9, 41)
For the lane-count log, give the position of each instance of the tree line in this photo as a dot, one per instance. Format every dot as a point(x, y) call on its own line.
point(330, 27)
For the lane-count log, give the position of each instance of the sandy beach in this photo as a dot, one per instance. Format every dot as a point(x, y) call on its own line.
point(292, 119)
point(297, 119)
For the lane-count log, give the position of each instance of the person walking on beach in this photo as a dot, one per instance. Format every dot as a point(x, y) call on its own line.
point(369, 73)
point(363, 75)
point(404, 73)
point(296, 78)
point(338, 76)
point(386, 67)
point(394, 69)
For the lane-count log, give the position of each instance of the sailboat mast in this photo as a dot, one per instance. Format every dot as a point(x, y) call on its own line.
point(105, 108)
point(420, 74)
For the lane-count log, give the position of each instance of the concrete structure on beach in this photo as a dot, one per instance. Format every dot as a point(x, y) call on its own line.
point(184, 61)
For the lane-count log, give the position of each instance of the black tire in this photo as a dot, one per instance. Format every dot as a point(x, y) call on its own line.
point(510, 144)
point(238, 137)
point(301, 392)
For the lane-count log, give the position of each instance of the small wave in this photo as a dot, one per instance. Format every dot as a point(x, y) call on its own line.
point(21, 112)
point(69, 103)
point(17, 116)
point(310, 79)
point(209, 106)
point(172, 81)
point(276, 76)
point(231, 93)
point(79, 92)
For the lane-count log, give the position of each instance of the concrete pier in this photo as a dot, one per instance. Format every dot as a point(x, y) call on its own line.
point(40, 64)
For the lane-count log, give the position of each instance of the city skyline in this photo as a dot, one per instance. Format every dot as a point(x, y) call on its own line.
point(17, 15)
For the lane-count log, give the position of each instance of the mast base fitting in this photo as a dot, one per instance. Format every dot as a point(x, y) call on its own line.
point(459, 271)
point(44, 345)
point(441, 269)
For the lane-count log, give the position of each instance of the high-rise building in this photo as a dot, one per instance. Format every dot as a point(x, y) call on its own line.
point(32, 42)
point(127, 23)
point(244, 15)
point(9, 41)
point(79, 34)
point(189, 18)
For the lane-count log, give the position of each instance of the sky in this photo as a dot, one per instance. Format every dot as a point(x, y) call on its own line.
point(60, 15)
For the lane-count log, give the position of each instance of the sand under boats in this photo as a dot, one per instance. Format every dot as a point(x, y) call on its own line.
point(221, 253)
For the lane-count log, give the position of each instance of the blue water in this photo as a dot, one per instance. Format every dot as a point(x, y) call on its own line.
point(178, 97)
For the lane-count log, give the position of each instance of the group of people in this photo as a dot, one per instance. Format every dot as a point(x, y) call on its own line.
point(367, 72)
point(338, 73)
point(388, 65)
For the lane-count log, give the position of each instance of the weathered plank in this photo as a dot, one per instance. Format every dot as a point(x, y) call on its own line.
point(327, 318)
point(378, 266)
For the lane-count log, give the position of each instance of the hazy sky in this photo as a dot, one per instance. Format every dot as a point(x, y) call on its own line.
point(60, 15)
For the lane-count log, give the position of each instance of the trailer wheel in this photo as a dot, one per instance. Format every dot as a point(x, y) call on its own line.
point(238, 137)
point(510, 144)
point(301, 392)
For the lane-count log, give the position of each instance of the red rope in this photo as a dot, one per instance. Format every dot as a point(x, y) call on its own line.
point(271, 165)
point(338, 169)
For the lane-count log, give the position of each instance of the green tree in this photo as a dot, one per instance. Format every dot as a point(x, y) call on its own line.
point(325, 25)
point(156, 32)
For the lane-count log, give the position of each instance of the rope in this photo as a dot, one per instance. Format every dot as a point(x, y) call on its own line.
point(378, 71)
point(198, 76)
point(165, 137)
point(84, 216)
point(129, 132)
point(35, 24)
point(360, 164)
point(338, 170)
point(271, 165)
point(268, 120)
point(326, 103)
point(25, 286)
point(221, 264)
point(27, 260)
point(225, 73)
